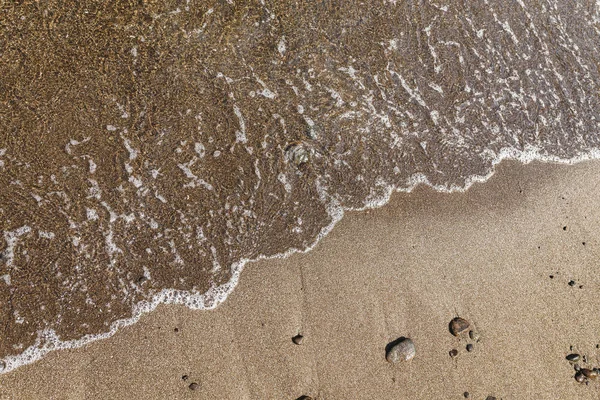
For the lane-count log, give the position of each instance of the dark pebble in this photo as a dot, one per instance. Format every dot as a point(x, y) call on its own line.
point(490, 398)
point(576, 367)
point(573, 357)
point(304, 398)
point(589, 373)
point(458, 325)
point(453, 353)
point(571, 283)
point(194, 386)
point(579, 377)
point(469, 347)
point(474, 336)
point(466, 395)
point(298, 339)
point(185, 377)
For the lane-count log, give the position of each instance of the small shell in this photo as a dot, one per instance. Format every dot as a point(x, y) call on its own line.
point(573, 358)
point(403, 351)
point(458, 326)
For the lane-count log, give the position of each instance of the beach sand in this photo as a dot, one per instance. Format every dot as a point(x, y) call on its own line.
point(405, 269)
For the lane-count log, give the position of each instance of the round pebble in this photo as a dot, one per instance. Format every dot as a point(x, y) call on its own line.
point(403, 351)
point(194, 386)
point(298, 339)
point(466, 395)
point(453, 353)
point(573, 357)
point(458, 326)
point(469, 347)
point(579, 377)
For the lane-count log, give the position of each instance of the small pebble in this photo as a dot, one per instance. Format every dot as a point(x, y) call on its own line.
point(474, 335)
point(573, 357)
point(453, 353)
point(466, 395)
point(298, 154)
point(469, 347)
point(403, 351)
point(298, 339)
point(577, 367)
point(304, 397)
point(194, 386)
point(579, 377)
point(458, 325)
point(571, 283)
point(490, 398)
point(589, 373)
point(185, 377)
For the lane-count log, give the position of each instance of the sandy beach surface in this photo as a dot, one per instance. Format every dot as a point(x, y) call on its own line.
point(517, 256)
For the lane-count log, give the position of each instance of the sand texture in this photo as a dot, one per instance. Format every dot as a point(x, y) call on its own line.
point(403, 270)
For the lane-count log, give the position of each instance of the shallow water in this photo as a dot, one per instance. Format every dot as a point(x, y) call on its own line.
point(148, 151)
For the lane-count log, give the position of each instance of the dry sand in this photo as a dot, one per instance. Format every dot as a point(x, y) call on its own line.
point(403, 270)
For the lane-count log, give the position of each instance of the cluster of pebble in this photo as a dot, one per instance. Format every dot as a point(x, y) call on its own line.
point(582, 375)
point(403, 349)
point(459, 328)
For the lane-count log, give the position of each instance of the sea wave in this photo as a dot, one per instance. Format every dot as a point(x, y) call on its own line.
point(149, 152)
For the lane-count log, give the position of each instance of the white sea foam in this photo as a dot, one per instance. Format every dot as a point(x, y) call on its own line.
point(48, 340)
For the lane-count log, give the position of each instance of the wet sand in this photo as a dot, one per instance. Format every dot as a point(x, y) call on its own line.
point(403, 270)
